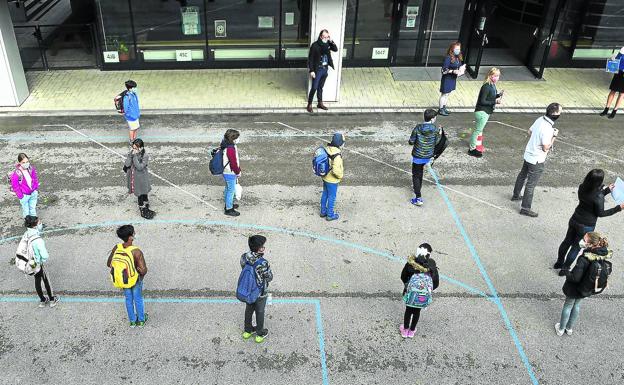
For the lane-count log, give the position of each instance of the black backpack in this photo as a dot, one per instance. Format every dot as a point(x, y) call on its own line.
point(596, 276)
point(118, 100)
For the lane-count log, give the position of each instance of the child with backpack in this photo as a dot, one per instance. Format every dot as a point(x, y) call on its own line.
point(253, 285)
point(423, 139)
point(588, 277)
point(37, 256)
point(25, 185)
point(231, 170)
point(327, 163)
point(138, 178)
point(131, 109)
point(420, 278)
point(127, 271)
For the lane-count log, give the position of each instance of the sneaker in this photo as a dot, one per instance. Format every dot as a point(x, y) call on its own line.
point(605, 112)
point(55, 301)
point(43, 304)
point(443, 111)
point(612, 114)
point(322, 215)
point(557, 330)
point(133, 325)
point(247, 336)
point(332, 217)
point(529, 213)
point(231, 213)
point(569, 332)
point(518, 198)
point(261, 338)
point(411, 333)
point(142, 323)
point(417, 201)
point(403, 331)
point(475, 153)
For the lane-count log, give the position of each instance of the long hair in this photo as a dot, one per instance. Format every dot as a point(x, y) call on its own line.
point(140, 144)
point(450, 53)
point(593, 181)
point(231, 135)
point(597, 240)
point(491, 72)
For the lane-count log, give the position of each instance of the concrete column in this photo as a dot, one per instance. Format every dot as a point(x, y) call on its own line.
point(13, 87)
point(330, 15)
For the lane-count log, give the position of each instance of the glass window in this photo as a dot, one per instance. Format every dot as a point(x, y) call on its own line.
point(447, 20)
point(295, 29)
point(115, 29)
point(372, 29)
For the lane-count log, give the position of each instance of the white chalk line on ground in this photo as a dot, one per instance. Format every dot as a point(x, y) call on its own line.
point(562, 141)
point(123, 157)
point(404, 171)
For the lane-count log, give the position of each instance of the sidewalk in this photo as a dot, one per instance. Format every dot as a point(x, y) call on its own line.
point(283, 90)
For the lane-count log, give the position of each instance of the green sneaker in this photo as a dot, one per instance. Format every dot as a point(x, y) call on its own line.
point(142, 323)
point(261, 338)
point(247, 336)
point(133, 324)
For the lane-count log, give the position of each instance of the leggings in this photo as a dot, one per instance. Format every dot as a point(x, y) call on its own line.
point(414, 314)
point(143, 199)
point(444, 99)
point(42, 276)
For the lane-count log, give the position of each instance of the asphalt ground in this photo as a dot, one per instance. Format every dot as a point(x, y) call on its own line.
point(336, 290)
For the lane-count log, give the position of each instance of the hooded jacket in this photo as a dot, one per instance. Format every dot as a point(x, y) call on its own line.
point(264, 275)
point(572, 287)
point(417, 265)
point(132, 110)
point(40, 253)
point(335, 159)
point(424, 138)
point(20, 185)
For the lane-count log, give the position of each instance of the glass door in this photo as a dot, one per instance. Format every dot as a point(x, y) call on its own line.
point(407, 31)
point(476, 14)
point(544, 34)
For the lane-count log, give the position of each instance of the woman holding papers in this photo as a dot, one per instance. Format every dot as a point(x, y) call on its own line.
point(452, 67)
point(591, 195)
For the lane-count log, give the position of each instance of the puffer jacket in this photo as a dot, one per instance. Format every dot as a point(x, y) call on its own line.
point(264, 274)
point(417, 265)
point(424, 138)
point(573, 286)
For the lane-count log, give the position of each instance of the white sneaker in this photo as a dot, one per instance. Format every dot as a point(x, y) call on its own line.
point(569, 332)
point(557, 330)
point(43, 304)
point(55, 301)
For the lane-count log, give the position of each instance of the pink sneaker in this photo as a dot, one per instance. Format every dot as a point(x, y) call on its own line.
point(403, 331)
point(411, 333)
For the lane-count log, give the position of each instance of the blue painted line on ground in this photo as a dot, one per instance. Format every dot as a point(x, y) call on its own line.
point(486, 277)
point(321, 339)
point(348, 244)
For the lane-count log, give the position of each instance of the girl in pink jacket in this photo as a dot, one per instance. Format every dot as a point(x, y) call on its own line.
point(25, 185)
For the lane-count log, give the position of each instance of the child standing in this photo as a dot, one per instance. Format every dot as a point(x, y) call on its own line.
point(132, 111)
point(420, 278)
point(40, 254)
point(25, 185)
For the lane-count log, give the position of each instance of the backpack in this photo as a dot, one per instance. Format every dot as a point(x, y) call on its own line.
point(124, 274)
point(216, 165)
point(419, 291)
point(25, 255)
point(10, 175)
point(321, 161)
point(118, 100)
point(248, 289)
point(440, 146)
point(595, 279)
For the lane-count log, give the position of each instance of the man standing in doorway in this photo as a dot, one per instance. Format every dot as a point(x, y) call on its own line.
point(319, 61)
point(542, 139)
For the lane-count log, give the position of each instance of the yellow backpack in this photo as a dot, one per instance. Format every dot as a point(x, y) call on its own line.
point(123, 272)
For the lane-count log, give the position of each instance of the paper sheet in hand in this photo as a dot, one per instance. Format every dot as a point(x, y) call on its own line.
point(618, 191)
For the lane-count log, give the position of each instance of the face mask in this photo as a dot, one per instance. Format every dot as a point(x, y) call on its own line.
point(456, 51)
point(324, 41)
point(582, 244)
point(25, 165)
point(236, 140)
point(433, 121)
point(553, 117)
point(40, 227)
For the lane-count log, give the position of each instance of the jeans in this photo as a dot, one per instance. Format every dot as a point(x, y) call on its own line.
point(29, 204)
point(42, 276)
point(230, 188)
point(317, 84)
point(258, 308)
point(134, 297)
point(531, 174)
point(328, 199)
point(417, 177)
point(414, 314)
point(481, 119)
point(576, 232)
point(570, 313)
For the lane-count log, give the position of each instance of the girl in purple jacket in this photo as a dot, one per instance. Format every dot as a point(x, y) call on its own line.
point(25, 185)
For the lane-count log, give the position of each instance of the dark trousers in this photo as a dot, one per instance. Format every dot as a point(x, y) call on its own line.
point(258, 308)
point(317, 84)
point(42, 276)
point(417, 176)
point(142, 199)
point(412, 313)
point(569, 248)
point(531, 174)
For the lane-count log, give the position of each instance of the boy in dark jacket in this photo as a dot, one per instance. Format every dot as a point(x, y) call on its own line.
point(424, 138)
point(264, 275)
point(416, 264)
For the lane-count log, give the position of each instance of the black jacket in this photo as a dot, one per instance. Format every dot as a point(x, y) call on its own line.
point(316, 51)
point(417, 265)
point(591, 206)
point(487, 98)
point(573, 286)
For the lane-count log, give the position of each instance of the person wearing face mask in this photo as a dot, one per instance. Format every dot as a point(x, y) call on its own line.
point(424, 138)
point(34, 229)
point(616, 86)
point(231, 170)
point(591, 196)
point(25, 185)
point(132, 111)
point(319, 61)
point(488, 98)
point(138, 177)
point(452, 67)
point(542, 137)
point(581, 282)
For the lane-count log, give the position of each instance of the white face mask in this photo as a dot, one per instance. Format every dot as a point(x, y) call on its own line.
point(325, 41)
point(40, 227)
point(25, 165)
point(582, 244)
point(456, 51)
point(236, 141)
point(622, 50)
point(433, 121)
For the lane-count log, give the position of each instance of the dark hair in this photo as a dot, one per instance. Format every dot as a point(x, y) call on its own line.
point(231, 135)
point(30, 221)
point(553, 108)
point(21, 156)
point(130, 84)
point(426, 246)
point(125, 232)
point(429, 114)
point(139, 143)
point(322, 32)
point(593, 181)
point(256, 242)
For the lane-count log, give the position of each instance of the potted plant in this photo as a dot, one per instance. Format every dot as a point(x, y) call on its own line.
point(124, 55)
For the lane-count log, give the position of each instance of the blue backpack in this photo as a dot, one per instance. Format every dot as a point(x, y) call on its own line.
point(216, 163)
point(419, 291)
point(248, 290)
point(320, 162)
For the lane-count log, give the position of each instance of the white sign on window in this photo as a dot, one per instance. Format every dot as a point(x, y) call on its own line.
point(183, 55)
point(290, 18)
point(111, 56)
point(380, 53)
point(220, 28)
point(411, 22)
point(412, 11)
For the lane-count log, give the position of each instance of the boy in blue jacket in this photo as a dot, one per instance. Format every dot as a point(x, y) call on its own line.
point(132, 111)
point(424, 138)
